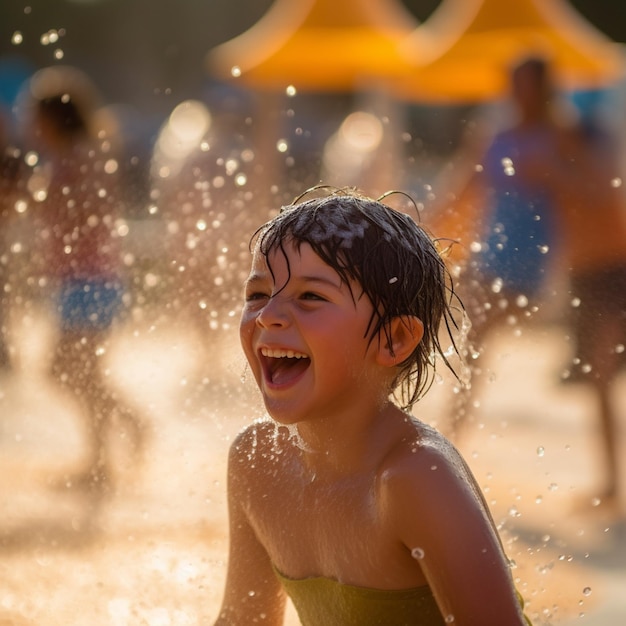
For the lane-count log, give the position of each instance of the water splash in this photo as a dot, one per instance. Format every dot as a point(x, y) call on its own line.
point(294, 435)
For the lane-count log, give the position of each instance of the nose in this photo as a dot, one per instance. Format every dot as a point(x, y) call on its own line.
point(274, 314)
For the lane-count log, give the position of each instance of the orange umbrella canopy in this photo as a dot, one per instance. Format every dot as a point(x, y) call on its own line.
point(318, 45)
point(465, 50)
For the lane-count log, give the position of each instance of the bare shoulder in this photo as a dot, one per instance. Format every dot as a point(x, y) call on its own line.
point(261, 431)
point(421, 449)
point(436, 510)
point(428, 471)
point(256, 439)
point(255, 449)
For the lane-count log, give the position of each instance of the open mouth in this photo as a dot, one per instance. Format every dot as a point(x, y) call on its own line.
point(283, 366)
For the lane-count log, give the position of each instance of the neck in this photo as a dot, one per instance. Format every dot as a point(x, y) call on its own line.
point(333, 446)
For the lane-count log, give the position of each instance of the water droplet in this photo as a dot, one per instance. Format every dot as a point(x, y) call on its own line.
point(513, 512)
point(507, 166)
point(291, 91)
point(587, 591)
point(17, 38)
point(31, 158)
point(616, 182)
point(541, 451)
point(21, 206)
point(496, 285)
point(235, 71)
point(450, 619)
point(111, 166)
point(417, 553)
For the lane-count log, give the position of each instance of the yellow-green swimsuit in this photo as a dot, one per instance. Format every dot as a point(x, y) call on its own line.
point(322, 601)
point(326, 602)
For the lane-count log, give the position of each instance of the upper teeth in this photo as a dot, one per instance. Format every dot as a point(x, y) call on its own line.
point(279, 354)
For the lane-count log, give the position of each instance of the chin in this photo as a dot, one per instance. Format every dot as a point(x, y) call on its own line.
point(284, 414)
point(282, 417)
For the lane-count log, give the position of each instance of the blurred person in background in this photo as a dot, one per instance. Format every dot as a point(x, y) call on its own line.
point(509, 246)
point(549, 232)
point(592, 226)
point(73, 200)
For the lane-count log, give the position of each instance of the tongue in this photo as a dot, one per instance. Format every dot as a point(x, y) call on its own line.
point(287, 369)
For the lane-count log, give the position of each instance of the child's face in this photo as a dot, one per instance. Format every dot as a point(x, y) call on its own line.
point(304, 336)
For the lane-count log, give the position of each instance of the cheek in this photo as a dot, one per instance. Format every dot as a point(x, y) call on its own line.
point(247, 322)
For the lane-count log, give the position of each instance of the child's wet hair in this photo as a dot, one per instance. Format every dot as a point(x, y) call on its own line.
point(392, 258)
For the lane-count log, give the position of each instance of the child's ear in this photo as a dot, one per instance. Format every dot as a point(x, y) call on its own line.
point(405, 333)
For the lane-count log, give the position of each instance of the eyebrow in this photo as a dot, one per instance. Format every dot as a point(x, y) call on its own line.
point(258, 278)
point(254, 278)
point(322, 280)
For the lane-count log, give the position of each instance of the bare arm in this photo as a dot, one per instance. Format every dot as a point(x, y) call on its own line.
point(252, 594)
point(438, 510)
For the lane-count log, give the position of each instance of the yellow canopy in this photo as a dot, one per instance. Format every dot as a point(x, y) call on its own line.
point(465, 49)
point(318, 45)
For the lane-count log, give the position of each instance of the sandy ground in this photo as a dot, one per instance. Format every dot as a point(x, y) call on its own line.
point(154, 553)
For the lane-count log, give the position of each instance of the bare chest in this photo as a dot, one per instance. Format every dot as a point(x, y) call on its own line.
point(330, 527)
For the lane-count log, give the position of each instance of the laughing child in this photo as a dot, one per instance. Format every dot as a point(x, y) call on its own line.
point(343, 500)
